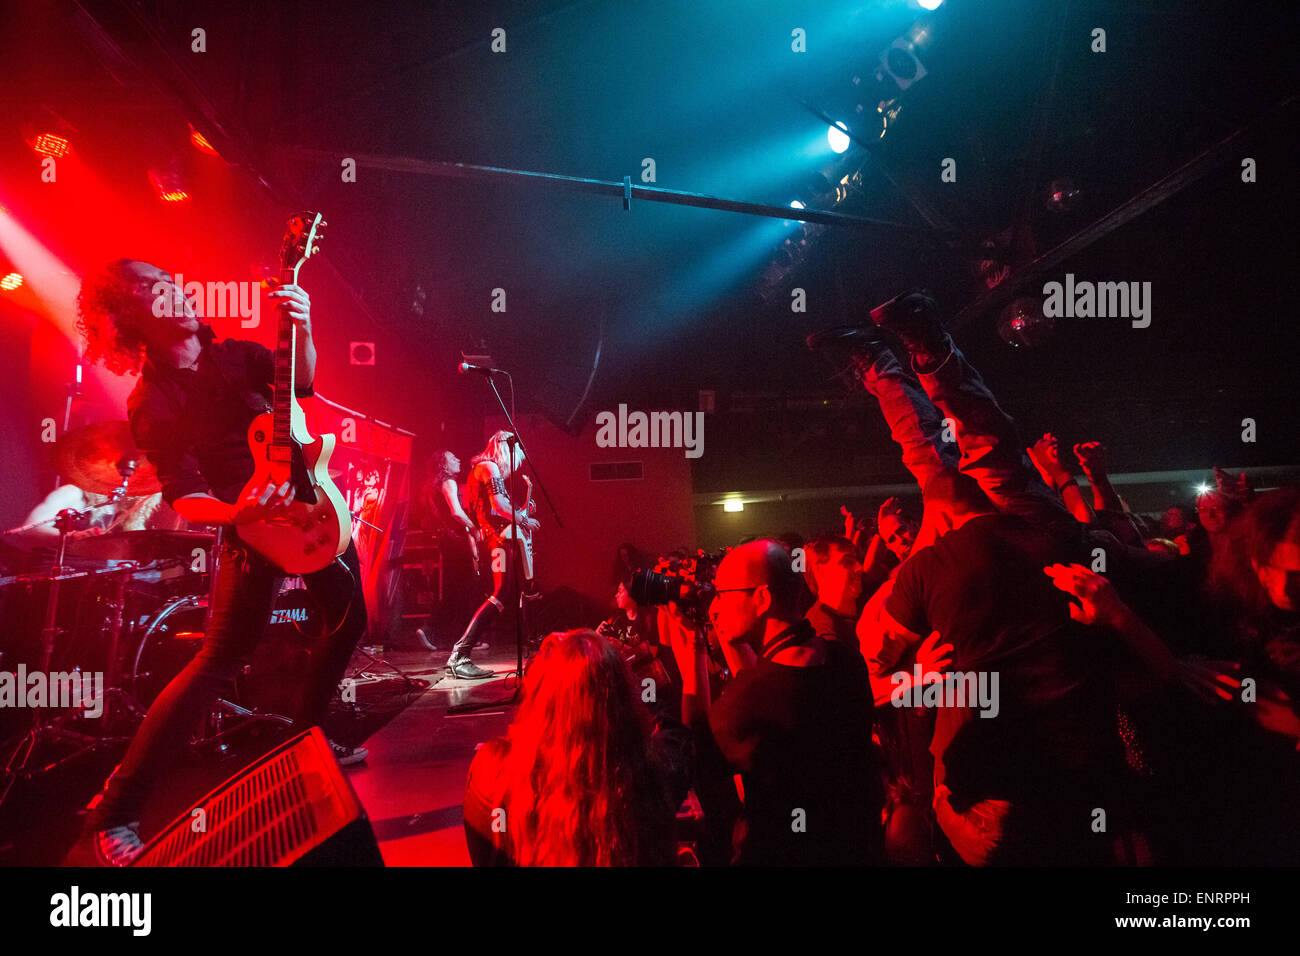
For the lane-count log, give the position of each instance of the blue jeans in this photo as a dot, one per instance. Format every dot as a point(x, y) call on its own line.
point(984, 444)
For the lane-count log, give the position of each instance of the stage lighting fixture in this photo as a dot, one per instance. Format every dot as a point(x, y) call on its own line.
point(50, 144)
point(733, 505)
point(1203, 489)
point(929, 4)
point(878, 106)
point(12, 281)
point(1061, 195)
point(167, 183)
point(1023, 325)
point(900, 62)
point(201, 143)
point(796, 204)
point(838, 137)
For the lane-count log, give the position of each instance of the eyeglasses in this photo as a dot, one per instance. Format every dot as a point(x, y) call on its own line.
point(728, 590)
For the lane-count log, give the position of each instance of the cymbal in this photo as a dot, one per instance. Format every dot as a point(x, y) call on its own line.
point(90, 457)
point(142, 546)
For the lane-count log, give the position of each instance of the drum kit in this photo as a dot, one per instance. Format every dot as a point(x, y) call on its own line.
point(130, 605)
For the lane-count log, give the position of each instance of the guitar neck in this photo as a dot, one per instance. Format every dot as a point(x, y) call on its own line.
point(286, 353)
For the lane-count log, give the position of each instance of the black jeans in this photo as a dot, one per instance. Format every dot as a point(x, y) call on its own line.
point(501, 557)
point(245, 591)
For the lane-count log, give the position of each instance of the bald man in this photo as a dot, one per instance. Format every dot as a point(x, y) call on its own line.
point(794, 722)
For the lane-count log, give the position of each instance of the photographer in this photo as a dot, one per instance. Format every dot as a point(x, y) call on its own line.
point(794, 721)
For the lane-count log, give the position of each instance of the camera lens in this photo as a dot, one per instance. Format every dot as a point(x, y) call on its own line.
point(650, 587)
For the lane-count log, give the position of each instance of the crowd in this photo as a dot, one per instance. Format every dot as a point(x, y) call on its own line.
point(1018, 673)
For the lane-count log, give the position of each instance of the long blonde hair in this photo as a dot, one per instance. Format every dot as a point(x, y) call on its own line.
point(582, 788)
point(497, 452)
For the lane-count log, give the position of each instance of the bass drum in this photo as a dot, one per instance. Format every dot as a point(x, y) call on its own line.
point(172, 637)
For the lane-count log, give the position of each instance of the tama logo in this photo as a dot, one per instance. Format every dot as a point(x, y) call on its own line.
point(289, 615)
point(75, 908)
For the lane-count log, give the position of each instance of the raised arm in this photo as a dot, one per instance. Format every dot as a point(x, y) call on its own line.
point(1046, 456)
point(1094, 460)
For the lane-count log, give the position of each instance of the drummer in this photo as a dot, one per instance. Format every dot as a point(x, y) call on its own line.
point(139, 513)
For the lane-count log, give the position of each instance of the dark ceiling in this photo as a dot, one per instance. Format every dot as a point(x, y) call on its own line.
point(714, 94)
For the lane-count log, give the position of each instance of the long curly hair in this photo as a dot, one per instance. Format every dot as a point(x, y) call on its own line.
point(582, 788)
point(107, 310)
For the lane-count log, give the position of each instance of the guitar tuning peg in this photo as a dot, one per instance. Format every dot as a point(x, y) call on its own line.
point(315, 250)
point(323, 224)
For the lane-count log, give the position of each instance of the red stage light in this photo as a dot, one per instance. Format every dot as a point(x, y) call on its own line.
point(167, 183)
point(50, 144)
point(201, 143)
point(10, 282)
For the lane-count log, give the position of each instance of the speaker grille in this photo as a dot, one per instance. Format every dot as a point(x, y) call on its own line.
point(270, 814)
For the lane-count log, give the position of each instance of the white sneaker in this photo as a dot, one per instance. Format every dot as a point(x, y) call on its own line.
point(347, 756)
point(118, 846)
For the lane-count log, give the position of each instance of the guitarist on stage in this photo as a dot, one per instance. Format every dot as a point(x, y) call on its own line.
point(190, 413)
point(489, 506)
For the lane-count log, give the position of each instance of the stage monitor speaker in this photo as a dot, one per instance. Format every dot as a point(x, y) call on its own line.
point(290, 807)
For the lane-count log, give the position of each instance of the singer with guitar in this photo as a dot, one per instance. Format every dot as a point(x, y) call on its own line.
point(489, 506)
point(221, 423)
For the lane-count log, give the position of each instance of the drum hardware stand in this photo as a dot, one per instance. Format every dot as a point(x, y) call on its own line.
point(218, 730)
point(41, 729)
point(356, 517)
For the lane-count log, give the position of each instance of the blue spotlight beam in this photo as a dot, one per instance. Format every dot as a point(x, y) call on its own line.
point(932, 216)
point(618, 189)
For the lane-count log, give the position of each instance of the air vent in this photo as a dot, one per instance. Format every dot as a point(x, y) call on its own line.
point(616, 471)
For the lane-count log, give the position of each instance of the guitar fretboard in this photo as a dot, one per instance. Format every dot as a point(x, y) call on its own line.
point(282, 400)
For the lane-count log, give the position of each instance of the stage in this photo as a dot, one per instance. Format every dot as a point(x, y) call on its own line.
point(410, 785)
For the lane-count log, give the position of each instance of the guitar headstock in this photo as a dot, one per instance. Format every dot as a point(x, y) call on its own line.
point(301, 240)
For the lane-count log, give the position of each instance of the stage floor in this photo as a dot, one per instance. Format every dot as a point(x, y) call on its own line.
point(413, 782)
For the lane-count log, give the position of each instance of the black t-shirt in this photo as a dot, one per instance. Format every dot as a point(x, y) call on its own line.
point(834, 626)
point(800, 738)
point(437, 515)
point(634, 631)
point(193, 423)
point(982, 587)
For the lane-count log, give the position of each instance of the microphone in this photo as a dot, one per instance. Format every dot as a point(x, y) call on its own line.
point(480, 369)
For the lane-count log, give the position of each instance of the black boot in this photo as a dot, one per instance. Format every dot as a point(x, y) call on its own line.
point(459, 664)
point(914, 318)
point(852, 349)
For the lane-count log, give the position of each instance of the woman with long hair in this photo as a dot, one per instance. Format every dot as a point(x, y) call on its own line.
point(582, 778)
point(489, 507)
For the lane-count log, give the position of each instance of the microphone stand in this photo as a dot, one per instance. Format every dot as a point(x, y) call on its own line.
point(515, 559)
